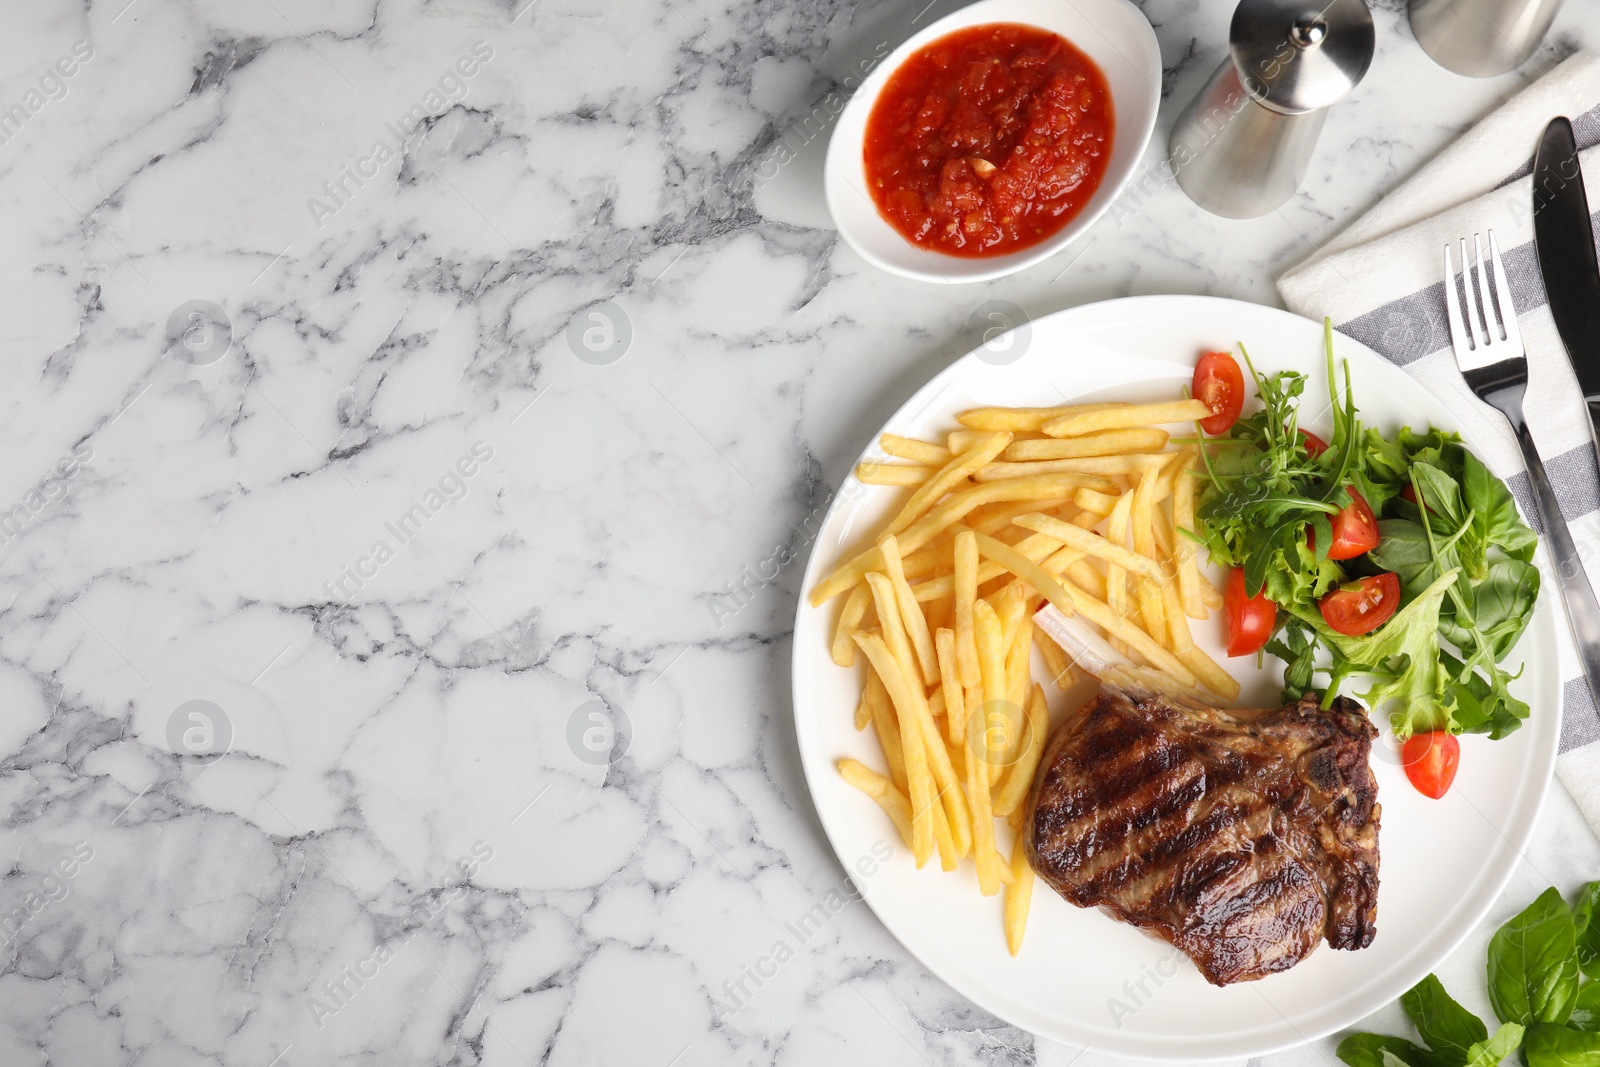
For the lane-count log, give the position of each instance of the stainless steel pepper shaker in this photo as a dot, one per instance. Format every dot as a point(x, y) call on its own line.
point(1243, 146)
point(1481, 38)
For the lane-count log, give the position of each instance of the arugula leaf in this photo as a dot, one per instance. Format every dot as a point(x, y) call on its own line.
point(1559, 1046)
point(1445, 1025)
point(1482, 705)
point(1533, 963)
point(1381, 1050)
point(1490, 1052)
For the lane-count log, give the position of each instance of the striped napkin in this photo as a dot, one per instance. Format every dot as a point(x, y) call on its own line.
point(1381, 282)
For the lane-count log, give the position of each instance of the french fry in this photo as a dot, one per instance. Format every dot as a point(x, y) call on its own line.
point(917, 451)
point(864, 705)
point(879, 788)
point(1092, 544)
point(918, 778)
point(1087, 578)
point(1035, 546)
point(1092, 470)
point(944, 643)
point(991, 658)
point(1096, 502)
point(951, 510)
point(888, 731)
point(1052, 589)
point(1001, 516)
point(892, 473)
point(1109, 443)
point(1020, 778)
point(947, 478)
point(1019, 895)
point(1056, 662)
point(1017, 681)
point(921, 714)
point(1142, 520)
point(855, 609)
point(1087, 422)
point(1119, 628)
point(965, 581)
point(916, 623)
point(1116, 574)
point(1210, 672)
point(1015, 419)
point(1009, 603)
point(949, 854)
point(1184, 548)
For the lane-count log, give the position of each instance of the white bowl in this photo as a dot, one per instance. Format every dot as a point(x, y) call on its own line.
point(1113, 33)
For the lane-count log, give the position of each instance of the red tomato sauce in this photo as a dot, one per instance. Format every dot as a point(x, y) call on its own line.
point(988, 140)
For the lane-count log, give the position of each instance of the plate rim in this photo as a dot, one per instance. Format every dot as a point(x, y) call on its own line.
point(1515, 839)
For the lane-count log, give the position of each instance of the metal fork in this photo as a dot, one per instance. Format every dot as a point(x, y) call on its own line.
point(1492, 359)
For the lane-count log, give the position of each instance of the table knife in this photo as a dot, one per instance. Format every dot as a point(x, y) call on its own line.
point(1565, 242)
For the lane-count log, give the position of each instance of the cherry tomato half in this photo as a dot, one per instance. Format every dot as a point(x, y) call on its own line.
point(1314, 445)
point(1355, 529)
point(1431, 760)
point(1251, 619)
point(1219, 383)
point(1362, 607)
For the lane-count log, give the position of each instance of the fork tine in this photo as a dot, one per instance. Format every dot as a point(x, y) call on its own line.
point(1474, 324)
point(1502, 288)
point(1460, 340)
point(1491, 314)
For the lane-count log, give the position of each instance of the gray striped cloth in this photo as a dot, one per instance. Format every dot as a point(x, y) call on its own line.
point(1380, 281)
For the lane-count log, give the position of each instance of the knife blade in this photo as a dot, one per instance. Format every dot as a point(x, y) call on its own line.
point(1564, 239)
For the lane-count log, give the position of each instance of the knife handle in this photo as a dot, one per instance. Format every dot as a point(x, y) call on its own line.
point(1583, 610)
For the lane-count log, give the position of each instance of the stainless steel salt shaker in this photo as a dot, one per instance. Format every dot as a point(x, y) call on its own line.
point(1481, 38)
point(1243, 146)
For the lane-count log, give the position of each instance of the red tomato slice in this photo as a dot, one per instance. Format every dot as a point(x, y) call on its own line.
point(1219, 383)
point(1251, 619)
point(1355, 529)
point(1314, 445)
point(1431, 760)
point(1363, 607)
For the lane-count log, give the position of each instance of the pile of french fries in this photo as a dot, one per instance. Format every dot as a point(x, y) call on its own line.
point(1080, 506)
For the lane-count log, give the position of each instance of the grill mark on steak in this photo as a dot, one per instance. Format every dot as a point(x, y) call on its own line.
point(1243, 840)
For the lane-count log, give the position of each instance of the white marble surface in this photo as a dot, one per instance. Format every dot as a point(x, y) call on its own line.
point(402, 860)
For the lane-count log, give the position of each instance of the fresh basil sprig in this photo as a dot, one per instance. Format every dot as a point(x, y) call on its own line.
point(1534, 969)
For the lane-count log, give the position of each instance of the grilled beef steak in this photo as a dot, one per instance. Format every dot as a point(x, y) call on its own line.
point(1243, 838)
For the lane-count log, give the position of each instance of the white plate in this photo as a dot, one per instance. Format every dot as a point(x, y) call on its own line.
point(1113, 33)
point(1443, 862)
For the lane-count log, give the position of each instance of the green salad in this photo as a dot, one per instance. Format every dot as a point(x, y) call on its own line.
point(1400, 559)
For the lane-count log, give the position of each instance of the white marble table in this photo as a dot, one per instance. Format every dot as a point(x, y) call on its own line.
point(374, 514)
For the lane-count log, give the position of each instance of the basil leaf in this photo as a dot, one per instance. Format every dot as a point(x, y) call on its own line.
point(1586, 1013)
point(1503, 603)
point(1586, 917)
point(1490, 1052)
point(1559, 1046)
point(1502, 522)
point(1381, 1050)
point(1438, 491)
point(1403, 548)
point(1445, 1025)
point(1533, 964)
